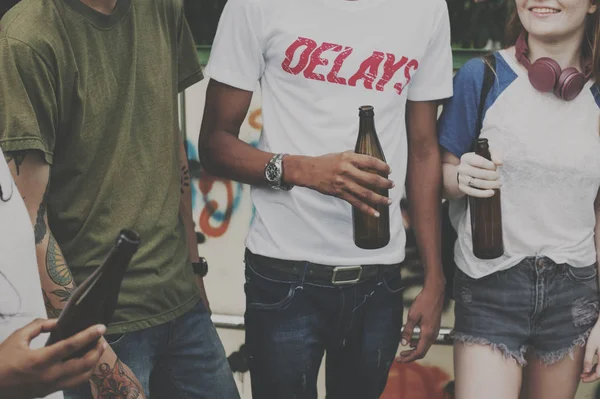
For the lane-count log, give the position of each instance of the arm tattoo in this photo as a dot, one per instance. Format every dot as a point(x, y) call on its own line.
point(185, 178)
point(18, 157)
point(40, 229)
point(64, 293)
point(52, 312)
point(115, 383)
point(55, 264)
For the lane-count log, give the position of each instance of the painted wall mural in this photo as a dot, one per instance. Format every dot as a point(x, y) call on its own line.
point(214, 215)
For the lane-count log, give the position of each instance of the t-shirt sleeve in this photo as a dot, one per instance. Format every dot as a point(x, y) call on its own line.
point(190, 70)
point(433, 78)
point(28, 102)
point(236, 57)
point(458, 122)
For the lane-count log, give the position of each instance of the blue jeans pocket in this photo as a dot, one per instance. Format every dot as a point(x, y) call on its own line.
point(393, 283)
point(264, 293)
point(114, 339)
point(582, 274)
point(584, 278)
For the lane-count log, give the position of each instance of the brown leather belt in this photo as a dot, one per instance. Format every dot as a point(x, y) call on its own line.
point(336, 275)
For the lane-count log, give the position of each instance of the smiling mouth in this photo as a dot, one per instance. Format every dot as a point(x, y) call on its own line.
point(544, 10)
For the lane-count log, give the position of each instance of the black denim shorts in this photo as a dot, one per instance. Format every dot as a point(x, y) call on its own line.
point(537, 305)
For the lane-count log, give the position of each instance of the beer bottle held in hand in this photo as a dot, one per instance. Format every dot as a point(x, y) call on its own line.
point(370, 232)
point(486, 217)
point(95, 300)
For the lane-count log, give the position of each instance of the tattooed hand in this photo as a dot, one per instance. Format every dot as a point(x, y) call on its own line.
point(115, 383)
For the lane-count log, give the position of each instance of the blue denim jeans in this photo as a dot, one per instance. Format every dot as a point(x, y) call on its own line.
point(291, 322)
point(180, 359)
point(536, 306)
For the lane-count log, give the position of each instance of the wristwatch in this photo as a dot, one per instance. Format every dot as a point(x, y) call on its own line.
point(274, 173)
point(200, 267)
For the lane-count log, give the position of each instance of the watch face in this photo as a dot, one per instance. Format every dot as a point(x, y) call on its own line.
point(272, 172)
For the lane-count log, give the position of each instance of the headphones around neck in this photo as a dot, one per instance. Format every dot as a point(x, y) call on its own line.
point(546, 75)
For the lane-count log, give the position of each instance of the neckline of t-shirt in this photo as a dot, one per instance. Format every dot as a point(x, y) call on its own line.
point(352, 5)
point(97, 18)
point(512, 62)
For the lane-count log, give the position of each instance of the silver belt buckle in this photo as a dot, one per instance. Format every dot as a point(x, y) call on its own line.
point(338, 269)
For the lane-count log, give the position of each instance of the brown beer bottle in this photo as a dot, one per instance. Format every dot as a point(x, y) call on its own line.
point(486, 217)
point(95, 300)
point(370, 232)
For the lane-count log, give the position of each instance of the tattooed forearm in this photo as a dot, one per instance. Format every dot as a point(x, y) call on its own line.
point(62, 286)
point(58, 271)
point(40, 229)
point(55, 264)
point(64, 293)
point(52, 312)
point(114, 382)
point(185, 178)
point(17, 157)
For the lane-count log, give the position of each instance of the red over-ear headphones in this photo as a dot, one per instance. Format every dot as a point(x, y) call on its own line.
point(546, 75)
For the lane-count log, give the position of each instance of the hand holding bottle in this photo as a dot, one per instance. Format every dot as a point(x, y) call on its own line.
point(32, 373)
point(352, 177)
point(477, 176)
point(485, 207)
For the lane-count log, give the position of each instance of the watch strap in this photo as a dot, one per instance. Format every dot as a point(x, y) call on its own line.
point(200, 267)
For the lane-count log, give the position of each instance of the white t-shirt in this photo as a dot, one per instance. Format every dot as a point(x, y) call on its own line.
point(550, 171)
point(317, 61)
point(21, 298)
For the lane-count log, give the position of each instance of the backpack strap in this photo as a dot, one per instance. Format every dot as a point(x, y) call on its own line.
point(449, 235)
point(489, 76)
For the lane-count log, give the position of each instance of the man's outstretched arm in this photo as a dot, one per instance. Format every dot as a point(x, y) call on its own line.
point(31, 174)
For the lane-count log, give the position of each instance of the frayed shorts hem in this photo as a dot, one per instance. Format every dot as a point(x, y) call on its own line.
point(519, 355)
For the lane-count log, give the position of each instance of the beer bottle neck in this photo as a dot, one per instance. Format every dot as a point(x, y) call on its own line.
point(484, 151)
point(366, 125)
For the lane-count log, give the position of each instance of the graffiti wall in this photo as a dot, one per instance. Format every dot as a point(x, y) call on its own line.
point(223, 212)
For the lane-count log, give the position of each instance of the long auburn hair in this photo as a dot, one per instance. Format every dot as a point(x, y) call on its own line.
point(590, 46)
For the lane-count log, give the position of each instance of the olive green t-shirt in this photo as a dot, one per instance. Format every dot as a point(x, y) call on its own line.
point(97, 95)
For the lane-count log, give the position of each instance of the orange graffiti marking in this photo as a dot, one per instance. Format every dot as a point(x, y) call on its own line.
point(414, 381)
point(206, 184)
point(254, 119)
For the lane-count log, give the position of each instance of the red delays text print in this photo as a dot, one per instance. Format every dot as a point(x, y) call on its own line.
point(310, 57)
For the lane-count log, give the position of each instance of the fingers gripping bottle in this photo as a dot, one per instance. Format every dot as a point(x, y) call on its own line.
point(486, 217)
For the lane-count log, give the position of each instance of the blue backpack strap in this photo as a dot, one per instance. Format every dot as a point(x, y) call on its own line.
point(489, 76)
point(449, 235)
